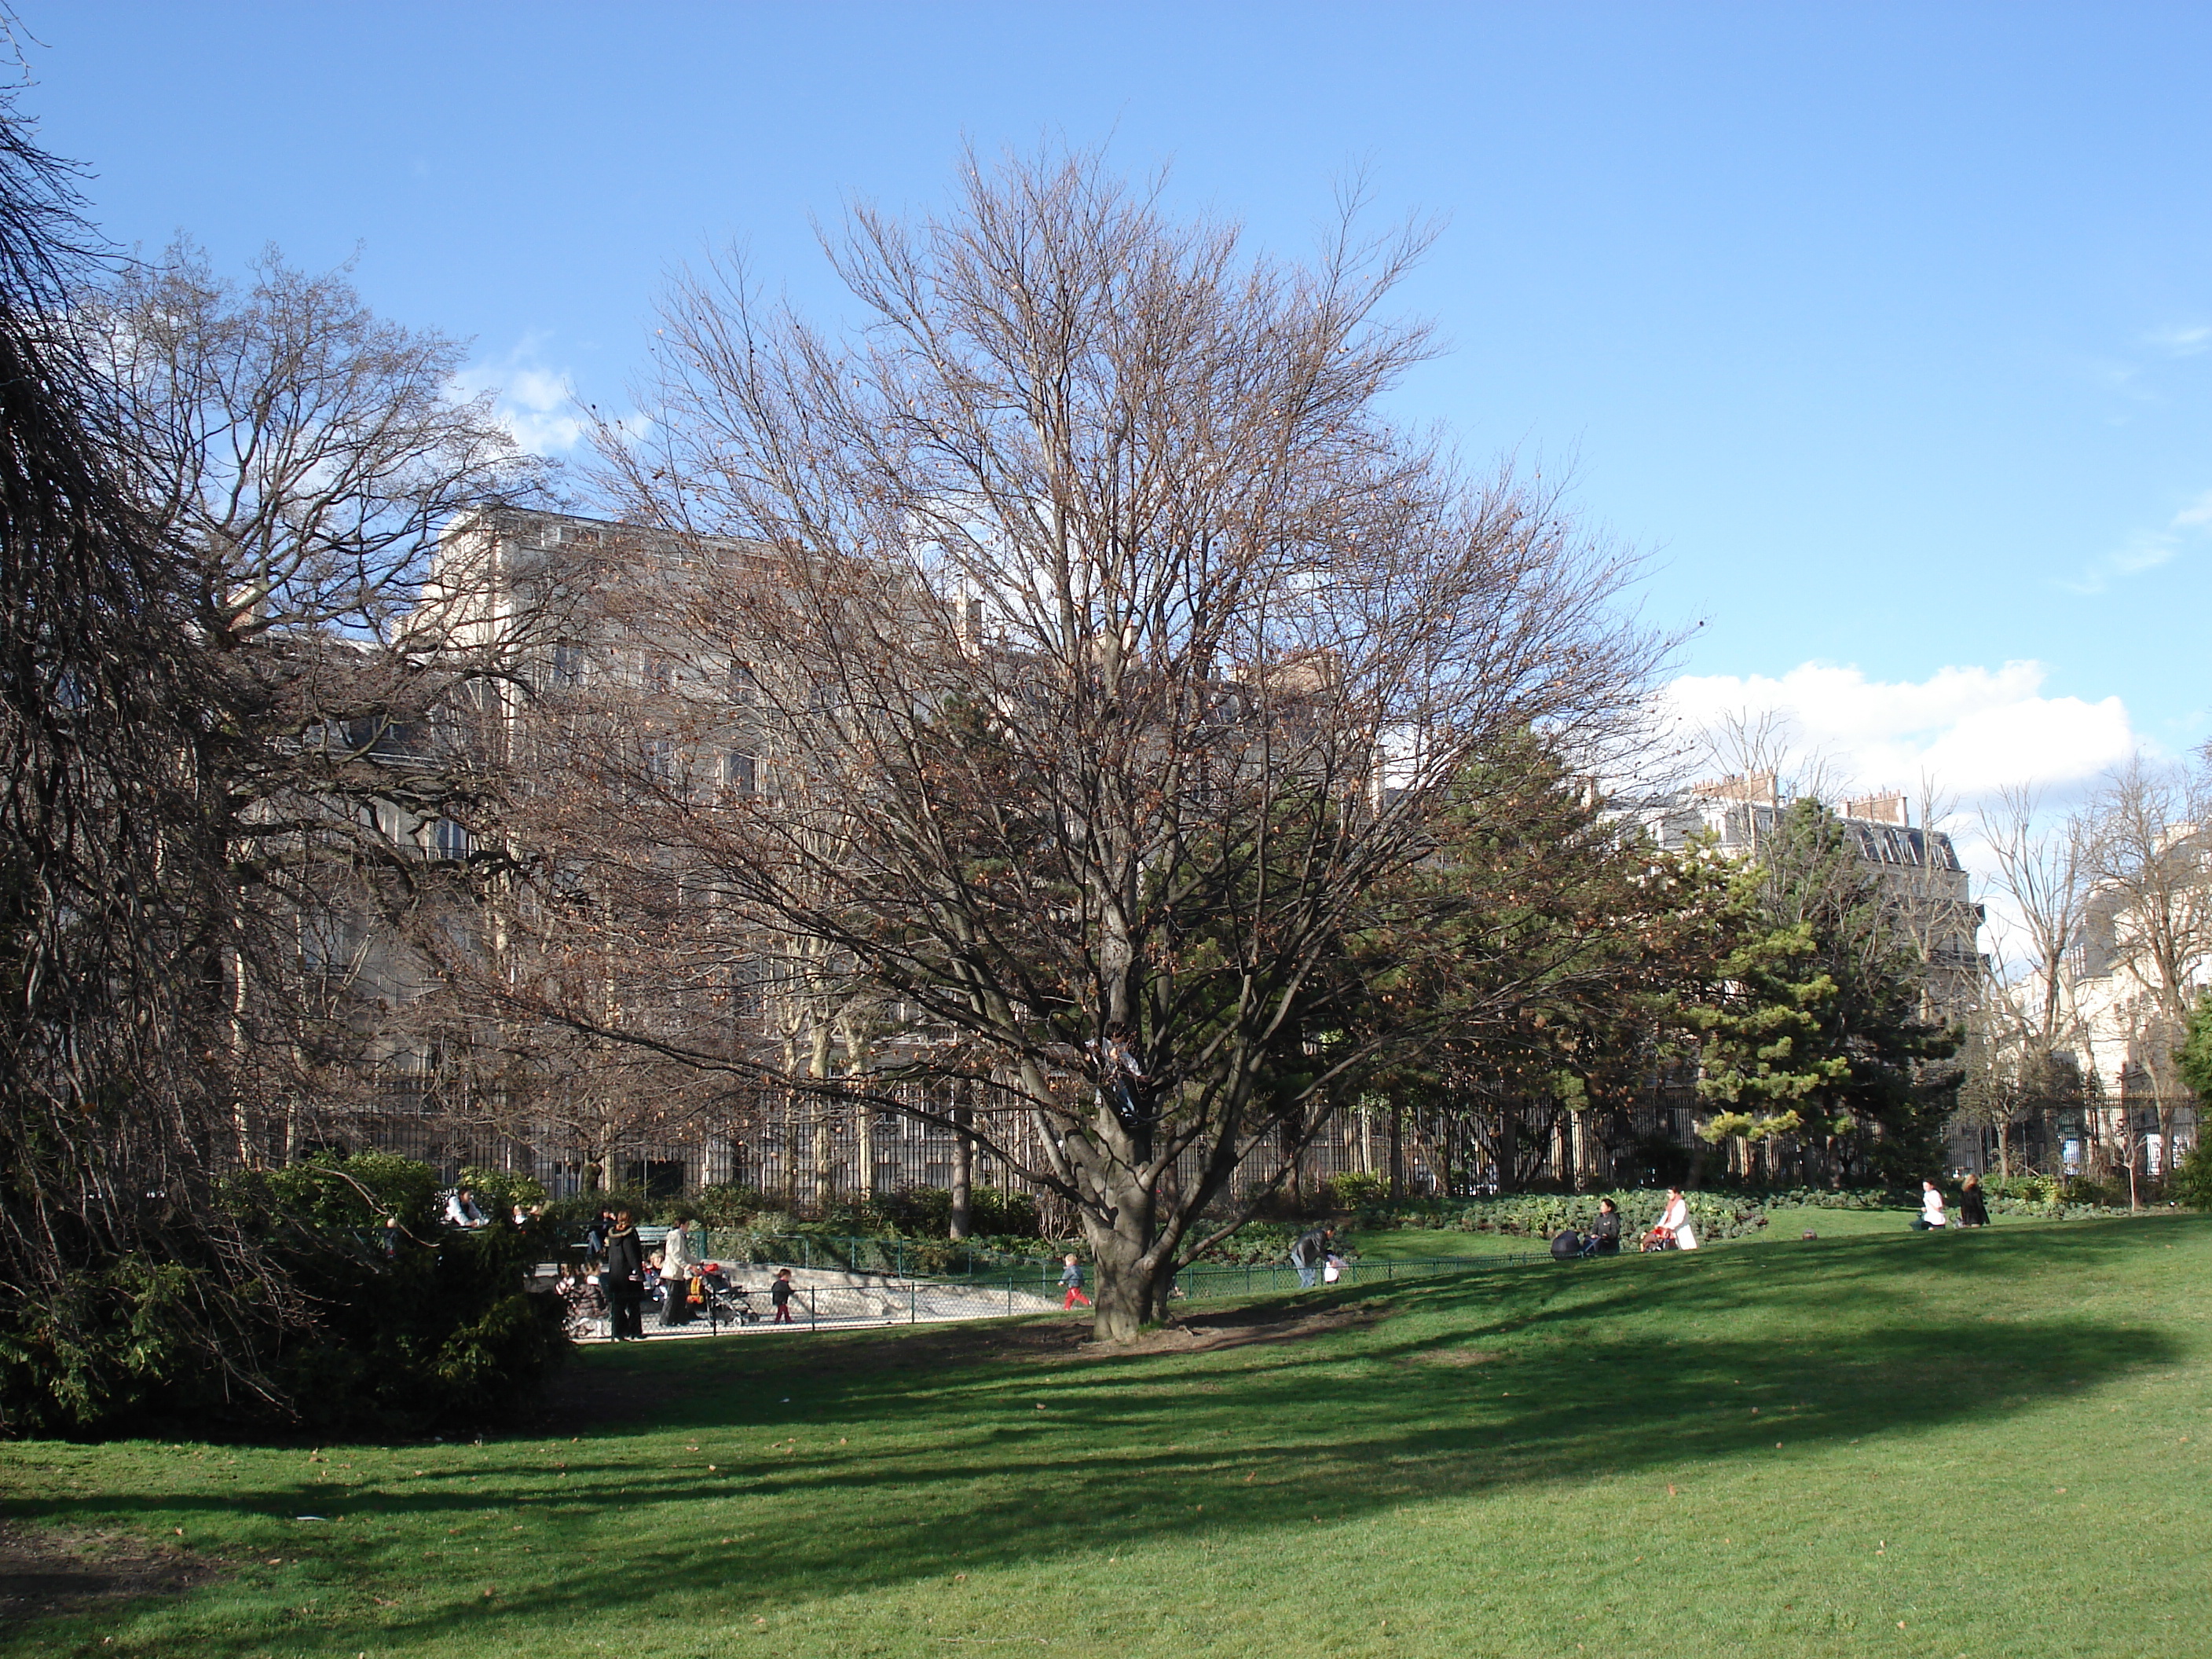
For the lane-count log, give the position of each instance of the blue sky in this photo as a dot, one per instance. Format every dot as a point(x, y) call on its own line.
point(1886, 331)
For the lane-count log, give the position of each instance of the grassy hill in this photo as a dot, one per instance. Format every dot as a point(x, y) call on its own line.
point(1989, 1445)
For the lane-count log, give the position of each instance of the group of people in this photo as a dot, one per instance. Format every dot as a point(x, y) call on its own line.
point(624, 1276)
point(1974, 1207)
point(462, 1211)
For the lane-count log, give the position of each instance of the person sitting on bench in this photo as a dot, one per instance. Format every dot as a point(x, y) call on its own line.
point(1605, 1231)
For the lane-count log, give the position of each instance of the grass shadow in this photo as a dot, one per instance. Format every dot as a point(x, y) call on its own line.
point(915, 1453)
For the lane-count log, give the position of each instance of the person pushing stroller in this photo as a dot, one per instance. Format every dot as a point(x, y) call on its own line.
point(1673, 1231)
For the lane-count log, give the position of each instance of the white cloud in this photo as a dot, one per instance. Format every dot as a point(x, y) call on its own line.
point(1969, 730)
point(538, 406)
point(2147, 549)
point(2185, 341)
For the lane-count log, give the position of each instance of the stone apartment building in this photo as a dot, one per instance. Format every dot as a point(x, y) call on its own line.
point(1917, 866)
point(573, 613)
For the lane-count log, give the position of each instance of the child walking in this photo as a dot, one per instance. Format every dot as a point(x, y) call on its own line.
point(1071, 1279)
point(780, 1294)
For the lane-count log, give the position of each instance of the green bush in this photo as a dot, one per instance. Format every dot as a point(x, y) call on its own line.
point(114, 1346)
point(2027, 1189)
point(2192, 1178)
point(500, 1192)
point(1355, 1191)
point(418, 1325)
point(363, 1311)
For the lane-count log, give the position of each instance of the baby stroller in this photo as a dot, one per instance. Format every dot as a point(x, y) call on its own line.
point(726, 1303)
point(1659, 1238)
point(1571, 1246)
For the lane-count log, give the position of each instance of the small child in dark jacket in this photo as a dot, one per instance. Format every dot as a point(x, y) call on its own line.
point(780, 1295)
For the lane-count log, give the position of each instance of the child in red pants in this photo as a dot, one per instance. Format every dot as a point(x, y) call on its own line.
point(1071, 1278)
point(780, 1295)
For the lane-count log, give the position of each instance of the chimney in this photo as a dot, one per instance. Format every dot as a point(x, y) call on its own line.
point(1878, 809)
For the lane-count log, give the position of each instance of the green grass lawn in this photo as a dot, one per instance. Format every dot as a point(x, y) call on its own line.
point(1990, 1444)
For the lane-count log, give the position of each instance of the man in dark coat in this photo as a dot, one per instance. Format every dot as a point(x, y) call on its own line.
point(1308, 1254)
point(625, 1280)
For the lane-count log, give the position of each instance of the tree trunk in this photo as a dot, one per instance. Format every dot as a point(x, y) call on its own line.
point(818, 1065)
point(963, 1172)
point(1131, 1292)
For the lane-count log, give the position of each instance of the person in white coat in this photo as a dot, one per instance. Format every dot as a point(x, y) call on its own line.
point(1676, 1220)
point(676, 1277)
point(1931, 1209)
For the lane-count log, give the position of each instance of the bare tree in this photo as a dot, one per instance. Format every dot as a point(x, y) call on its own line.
point(2149, 857)
point(1105, 654)
point(303, 456)
point(305, 450)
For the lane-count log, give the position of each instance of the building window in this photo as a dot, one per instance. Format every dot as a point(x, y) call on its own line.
point(741, 772)
point(449, 839)
point(567, 664)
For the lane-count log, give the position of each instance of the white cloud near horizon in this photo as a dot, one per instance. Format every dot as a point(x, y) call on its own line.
point(1969, 730)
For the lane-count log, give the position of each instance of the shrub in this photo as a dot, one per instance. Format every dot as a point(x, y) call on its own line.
point(423, 1326)
point(2191, 1183)
point(1355, 1191)
point(2028, 1189)
point(350, 1322)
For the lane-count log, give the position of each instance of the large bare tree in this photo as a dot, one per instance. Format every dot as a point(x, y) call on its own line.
point(2147, 853)
point(1097, 651)
point(301, 456)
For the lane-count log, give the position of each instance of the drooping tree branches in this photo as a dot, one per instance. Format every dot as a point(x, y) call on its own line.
point(113, 735)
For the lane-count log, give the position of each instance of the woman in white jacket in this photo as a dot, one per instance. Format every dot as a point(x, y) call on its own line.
point(1676, 1220)
point(1931, 1209)
point(676, 1278)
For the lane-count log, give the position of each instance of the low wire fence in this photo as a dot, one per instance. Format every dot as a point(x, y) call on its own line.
point(992, 1291)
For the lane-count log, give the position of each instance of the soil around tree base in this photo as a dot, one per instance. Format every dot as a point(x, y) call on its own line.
point(1239, 1327)
point(43, 1573)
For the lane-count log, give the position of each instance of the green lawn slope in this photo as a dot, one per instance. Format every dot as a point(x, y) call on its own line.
point(1986, 1444)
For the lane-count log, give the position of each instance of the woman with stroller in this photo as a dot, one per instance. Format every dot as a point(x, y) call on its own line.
point(1674, 1225)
